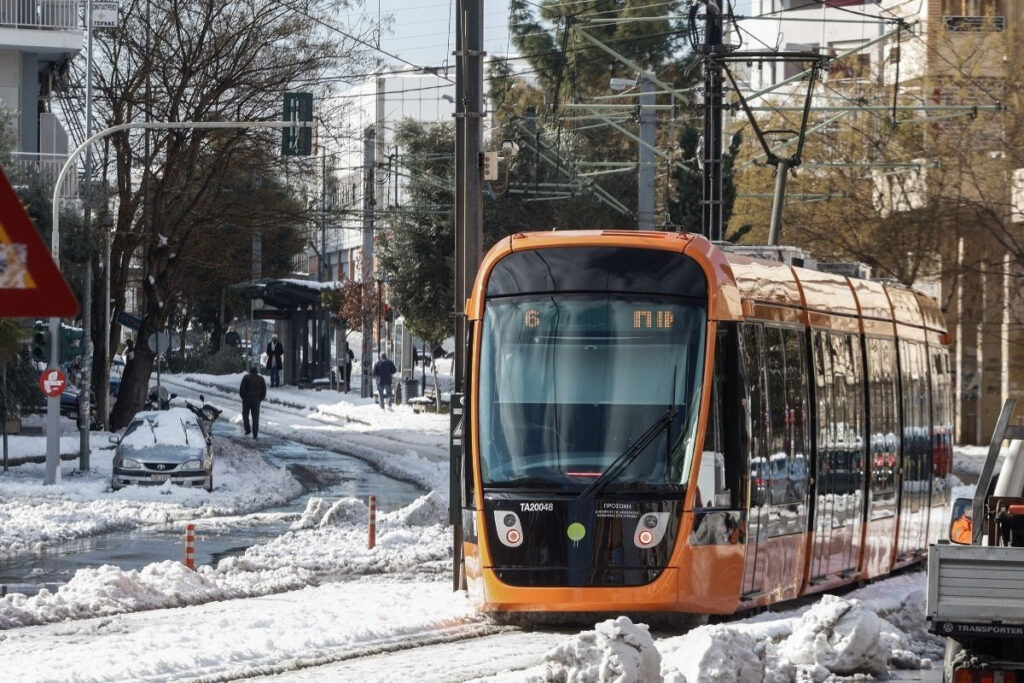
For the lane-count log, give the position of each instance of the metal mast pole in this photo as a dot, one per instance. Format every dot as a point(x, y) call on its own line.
point(712, 196)
point(369, 148)
point(85, 389)
point(645, 176)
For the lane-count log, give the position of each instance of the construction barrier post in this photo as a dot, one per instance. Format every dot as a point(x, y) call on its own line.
point(372, 540)
point(190, 546)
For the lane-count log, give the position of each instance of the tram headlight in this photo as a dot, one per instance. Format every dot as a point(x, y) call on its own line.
point(508, 528)
point(650, 529)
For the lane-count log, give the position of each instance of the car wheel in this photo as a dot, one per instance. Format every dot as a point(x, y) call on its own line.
point(114, 485)
point(209, 483)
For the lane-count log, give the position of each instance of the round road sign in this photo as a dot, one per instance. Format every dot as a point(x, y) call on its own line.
point(52, 382)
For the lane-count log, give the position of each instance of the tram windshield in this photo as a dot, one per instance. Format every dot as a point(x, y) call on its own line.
point(570, 383)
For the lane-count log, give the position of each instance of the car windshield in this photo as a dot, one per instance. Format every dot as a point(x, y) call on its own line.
point(569, 384)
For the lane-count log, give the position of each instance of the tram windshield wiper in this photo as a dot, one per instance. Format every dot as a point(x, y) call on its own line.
point(626, 457)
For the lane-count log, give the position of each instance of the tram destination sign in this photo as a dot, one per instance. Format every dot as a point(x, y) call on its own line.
point(601, 318)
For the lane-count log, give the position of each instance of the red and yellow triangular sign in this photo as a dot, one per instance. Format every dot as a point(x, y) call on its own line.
point(30, 284)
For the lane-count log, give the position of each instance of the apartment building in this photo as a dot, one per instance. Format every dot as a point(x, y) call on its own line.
point(38, 39)
point(951, 52)
point(379, 103)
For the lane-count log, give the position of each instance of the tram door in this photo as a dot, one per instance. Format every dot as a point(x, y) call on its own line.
point(776, 417)
point(840, 456)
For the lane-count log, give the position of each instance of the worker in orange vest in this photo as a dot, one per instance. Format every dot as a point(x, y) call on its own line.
point(963, 528)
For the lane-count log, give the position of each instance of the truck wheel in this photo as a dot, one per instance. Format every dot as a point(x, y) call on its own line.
point(953, 648)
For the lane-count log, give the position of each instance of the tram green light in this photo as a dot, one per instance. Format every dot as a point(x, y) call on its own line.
point(576, 532)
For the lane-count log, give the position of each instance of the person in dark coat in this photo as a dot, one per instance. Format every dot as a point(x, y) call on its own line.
point(348, 370)
point(252, 390)
point(275, 360)
point(384, 370)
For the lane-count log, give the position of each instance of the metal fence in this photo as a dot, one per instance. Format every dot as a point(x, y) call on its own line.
point(41, 14)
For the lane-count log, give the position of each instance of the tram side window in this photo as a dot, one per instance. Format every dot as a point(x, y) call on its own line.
point(753, 365)
point(942, 412)
point(916, 415)
point(883, 414)
point(848, 348)
point(797, 425)
point(719, 479)
point(786, 385)
point(823, 373)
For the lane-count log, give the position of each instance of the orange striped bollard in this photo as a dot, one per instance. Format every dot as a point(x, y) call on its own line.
point(371, 541)
point(190, 546)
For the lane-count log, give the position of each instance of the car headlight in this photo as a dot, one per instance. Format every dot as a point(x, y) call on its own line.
point(130, 464)
point(192, 465)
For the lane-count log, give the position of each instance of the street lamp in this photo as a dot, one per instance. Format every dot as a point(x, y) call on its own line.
point(379, 277)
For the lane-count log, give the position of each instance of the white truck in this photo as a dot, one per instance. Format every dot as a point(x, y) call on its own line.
point(976, 578)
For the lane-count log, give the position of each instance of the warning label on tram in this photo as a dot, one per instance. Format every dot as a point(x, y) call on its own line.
point(618, 509)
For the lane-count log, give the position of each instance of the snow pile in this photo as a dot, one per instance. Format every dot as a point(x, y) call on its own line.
point(424, 511)
point(616, 650)
point(109, 590)
point(332, 538)
point(839, 635)
point(320, 513)
point(716, 654)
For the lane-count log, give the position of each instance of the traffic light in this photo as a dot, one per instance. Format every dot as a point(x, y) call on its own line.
point(298, 106)
point(389, 315)
point(41, 343)
point(72, 342)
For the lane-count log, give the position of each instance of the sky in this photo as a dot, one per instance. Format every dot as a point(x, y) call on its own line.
point(422, 31)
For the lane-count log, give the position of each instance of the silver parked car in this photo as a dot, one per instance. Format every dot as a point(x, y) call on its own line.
point(163, 445)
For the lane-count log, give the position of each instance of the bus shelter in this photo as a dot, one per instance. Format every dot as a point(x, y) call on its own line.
point(300, 322)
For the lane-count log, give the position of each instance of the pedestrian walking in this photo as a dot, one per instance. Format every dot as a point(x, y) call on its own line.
point(348, 370)
point(129, 351)
point(252, 390)
point(384, 370)
point(275, 360)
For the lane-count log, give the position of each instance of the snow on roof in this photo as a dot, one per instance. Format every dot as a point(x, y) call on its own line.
point(174, 427)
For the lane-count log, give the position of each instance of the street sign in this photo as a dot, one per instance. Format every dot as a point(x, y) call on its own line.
point(30, 284)
point(52, 382)
point(129, 320)
point(159, 342)
point(104, 14)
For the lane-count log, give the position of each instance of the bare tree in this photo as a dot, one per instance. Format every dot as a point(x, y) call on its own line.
point(200, 60)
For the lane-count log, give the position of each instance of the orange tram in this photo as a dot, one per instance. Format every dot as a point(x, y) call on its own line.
point(656, 425)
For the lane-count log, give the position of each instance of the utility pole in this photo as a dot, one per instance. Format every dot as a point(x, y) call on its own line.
point(322, 270)
point(711, 48)
point(645, 175)
point(468, 233)
point(84, 398)
point(369, 150)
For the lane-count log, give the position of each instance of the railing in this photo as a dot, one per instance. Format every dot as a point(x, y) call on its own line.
point(974, 24)
point(41, 14)
point(48, 167)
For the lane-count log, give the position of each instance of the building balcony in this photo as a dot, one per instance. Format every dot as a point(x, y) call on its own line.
point(43, 26)
point(47, 166)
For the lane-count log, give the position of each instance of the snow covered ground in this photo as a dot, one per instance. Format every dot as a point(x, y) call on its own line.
point(316, 596)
